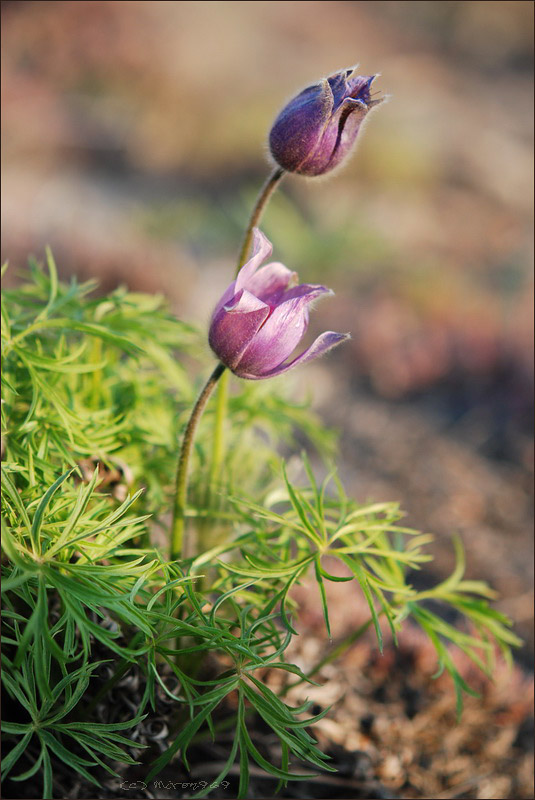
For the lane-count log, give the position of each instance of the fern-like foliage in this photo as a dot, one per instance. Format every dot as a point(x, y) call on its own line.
point(95, 394)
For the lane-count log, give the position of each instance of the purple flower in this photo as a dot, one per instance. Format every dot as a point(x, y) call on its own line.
point(317, 129)
point(263, 316)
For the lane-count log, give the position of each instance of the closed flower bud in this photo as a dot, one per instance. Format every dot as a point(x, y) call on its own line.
point(318, 128)
point(263, 316)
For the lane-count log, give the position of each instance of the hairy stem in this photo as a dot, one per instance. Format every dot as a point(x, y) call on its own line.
point(218, 444)
point(263, 198)
point(179, 546)
point(222, 390)
point(179, 543)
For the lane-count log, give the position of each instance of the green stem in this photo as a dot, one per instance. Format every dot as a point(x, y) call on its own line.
point(332, 655)
point(178, 545)
point(219, 440)
point(263, 198)
point(222, 392)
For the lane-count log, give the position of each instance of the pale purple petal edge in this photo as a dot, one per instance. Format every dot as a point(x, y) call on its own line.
point(325, 342)
point(262, 249)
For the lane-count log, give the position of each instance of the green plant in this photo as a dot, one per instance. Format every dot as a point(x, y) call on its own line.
point(87, 487)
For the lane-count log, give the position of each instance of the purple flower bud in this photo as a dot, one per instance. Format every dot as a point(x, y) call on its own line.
point(263, 316)
point(317, 129)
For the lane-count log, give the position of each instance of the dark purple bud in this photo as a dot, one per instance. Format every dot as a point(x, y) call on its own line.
point(263, 316)
point(318, 128)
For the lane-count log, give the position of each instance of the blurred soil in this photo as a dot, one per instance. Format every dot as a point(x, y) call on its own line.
point(392, 732)
point(132, 144)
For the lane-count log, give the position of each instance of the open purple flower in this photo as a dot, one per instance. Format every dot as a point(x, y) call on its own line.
point(318, 127)
point(262, 317)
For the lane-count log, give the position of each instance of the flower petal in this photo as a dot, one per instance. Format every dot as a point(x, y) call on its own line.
point(339, 135)
point(270, 282)
point(261, 250)
point(305, 135)
point(226, 298)
point(339, 86)
point(359, 87)
point(322, 345)
point(280, 334)
point(310, 290)
point(297, 130)
point(234, 325)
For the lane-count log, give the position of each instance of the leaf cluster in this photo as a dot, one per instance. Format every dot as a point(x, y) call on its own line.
point(96, 391)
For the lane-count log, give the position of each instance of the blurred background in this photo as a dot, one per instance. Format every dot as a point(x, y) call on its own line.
point(134, 142)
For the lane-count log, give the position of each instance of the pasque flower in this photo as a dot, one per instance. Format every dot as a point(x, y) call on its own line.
point(317, 129)
point(262, 317)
